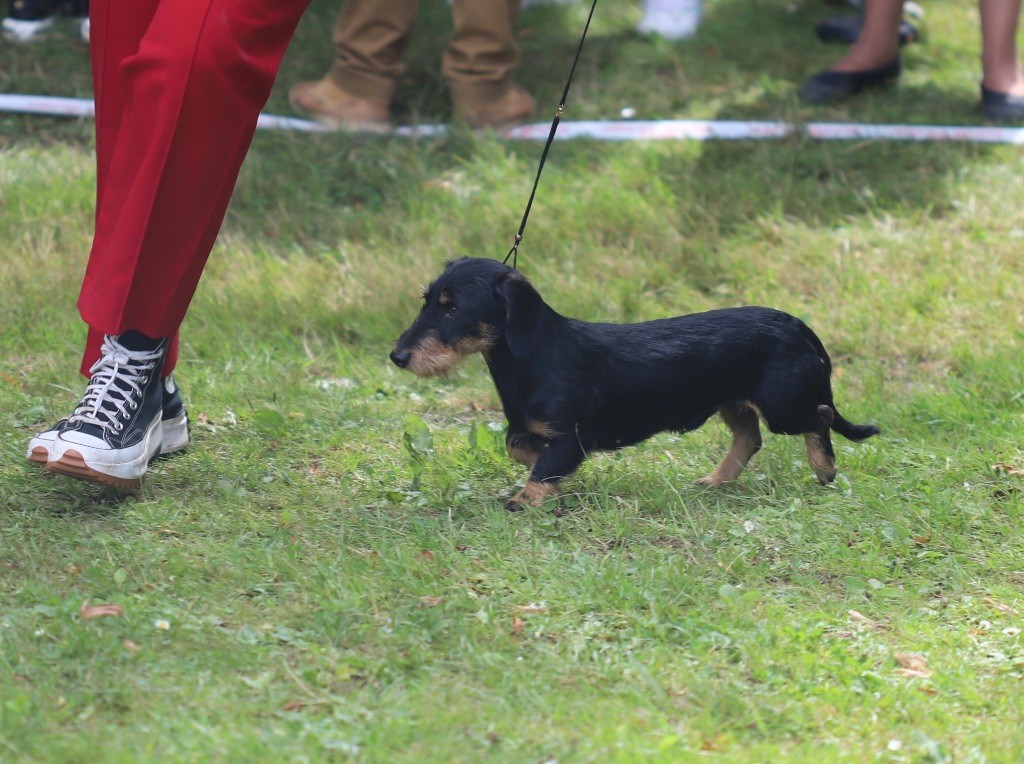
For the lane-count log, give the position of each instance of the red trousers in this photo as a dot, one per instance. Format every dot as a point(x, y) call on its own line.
point(178, 85)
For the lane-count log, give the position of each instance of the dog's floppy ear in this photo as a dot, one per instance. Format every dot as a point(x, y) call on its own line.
point(523, 313)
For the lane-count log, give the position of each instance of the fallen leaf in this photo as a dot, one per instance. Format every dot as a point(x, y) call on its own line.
point(871, 624)
point(531, 608)
point(88, 611)
point(431, 601)
point(427, 553)
point(293, 705)
point(912, 666)
point(517, 624)
point(1008, 469)
point(130, 646)
point(1000, 606)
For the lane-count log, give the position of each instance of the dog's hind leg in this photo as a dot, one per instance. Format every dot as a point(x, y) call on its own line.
point(746, 441)
point(819, 447)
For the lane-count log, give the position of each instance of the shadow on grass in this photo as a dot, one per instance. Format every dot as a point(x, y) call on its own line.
point(59, 497)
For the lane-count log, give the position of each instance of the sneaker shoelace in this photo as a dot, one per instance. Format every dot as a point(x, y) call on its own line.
point(115, 385)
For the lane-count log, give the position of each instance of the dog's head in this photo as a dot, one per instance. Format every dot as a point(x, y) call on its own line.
point(475, 305)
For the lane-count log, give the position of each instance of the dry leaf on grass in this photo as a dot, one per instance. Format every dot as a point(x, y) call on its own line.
point(1000, 606)
point(531, 608)
point(88, 611)
point(1008, 469)
point(912, 666)
point(431, 601)
point(871, 624)
point(517, 624)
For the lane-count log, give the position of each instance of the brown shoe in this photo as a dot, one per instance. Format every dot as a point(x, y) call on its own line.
point(337, 109)
point(513, 108)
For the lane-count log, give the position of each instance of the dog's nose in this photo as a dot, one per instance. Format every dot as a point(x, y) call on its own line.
point(400, 358)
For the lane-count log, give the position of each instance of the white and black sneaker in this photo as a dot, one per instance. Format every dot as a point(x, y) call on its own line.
point(27, 19)
point(174, 432)
point(118, 427)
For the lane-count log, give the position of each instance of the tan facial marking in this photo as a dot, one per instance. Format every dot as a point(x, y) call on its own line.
point(481, 343)
point(431, 358)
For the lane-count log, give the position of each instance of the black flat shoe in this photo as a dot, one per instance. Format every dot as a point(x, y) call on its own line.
point(830, 86)
point(1002, 107)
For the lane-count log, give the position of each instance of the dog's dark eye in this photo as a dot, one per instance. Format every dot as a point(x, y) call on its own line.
point(451, 310)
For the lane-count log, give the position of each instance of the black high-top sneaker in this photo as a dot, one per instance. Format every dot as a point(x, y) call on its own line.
point(116, 429)
point(28, 18)
point(174, 432)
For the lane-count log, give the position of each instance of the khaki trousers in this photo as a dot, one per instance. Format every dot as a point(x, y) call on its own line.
point(370, 38)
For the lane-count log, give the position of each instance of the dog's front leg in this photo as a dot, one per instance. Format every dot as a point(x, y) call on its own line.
point(559, 460)
point(525, 447)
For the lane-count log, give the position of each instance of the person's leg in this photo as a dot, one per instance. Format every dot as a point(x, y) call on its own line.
point(878, 43)
point(193, 91)
point(112, 40)
point(369, 40)
point(1000, 64)
point(190, 94)
point(1002, 84)
point(871, 61)
point(479, 62)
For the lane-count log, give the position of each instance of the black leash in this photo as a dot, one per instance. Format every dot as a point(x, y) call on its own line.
point(514, 252)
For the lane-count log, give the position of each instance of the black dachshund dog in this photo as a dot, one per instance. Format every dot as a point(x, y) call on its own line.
point(569, 387)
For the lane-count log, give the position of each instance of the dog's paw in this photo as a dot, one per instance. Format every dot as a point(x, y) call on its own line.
point(711, 481)
point(513, 506)
point(532, 495)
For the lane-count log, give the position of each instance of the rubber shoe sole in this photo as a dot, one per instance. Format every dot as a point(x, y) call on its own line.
point(124, 475)
point(174, 438)
point(72, 464)
point(174, 433)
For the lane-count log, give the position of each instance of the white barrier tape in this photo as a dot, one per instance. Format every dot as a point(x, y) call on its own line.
point(612, 130)
point(706, 130)
point(837, 131)
point(660, 130)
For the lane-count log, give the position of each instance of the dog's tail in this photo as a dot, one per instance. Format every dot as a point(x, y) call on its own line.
point(849, 430)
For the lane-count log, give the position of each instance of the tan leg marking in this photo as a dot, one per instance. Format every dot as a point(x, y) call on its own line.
point(824, 466)
point(746, 441)
point(532, 495)
point(524, 453)
point(543, 429)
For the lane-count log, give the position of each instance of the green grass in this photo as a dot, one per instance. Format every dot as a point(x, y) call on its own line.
point(303, 585)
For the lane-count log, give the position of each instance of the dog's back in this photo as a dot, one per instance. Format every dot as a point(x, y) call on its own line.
point(675, 373)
